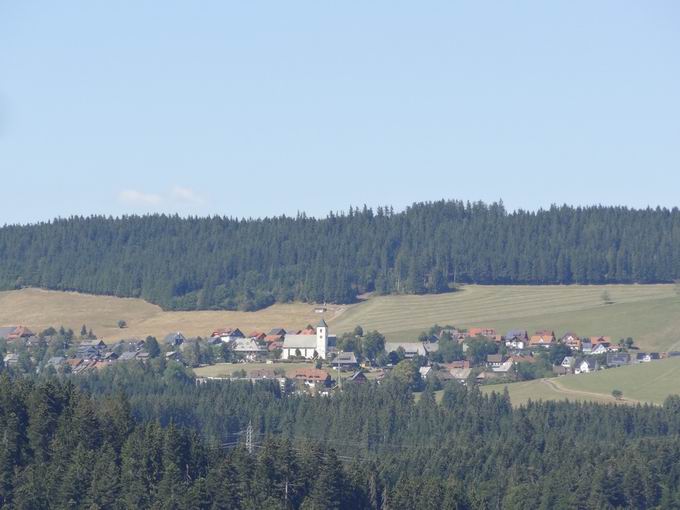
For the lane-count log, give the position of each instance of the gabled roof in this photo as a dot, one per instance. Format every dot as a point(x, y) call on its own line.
point(299, 342)
point(277, 331)
point(322, 324)
point(174, 338)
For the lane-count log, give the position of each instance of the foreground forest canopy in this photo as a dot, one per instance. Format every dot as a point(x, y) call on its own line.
point(224, 263)
point(148, 437)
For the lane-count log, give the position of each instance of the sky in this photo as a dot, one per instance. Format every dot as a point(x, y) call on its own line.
point(255, 109)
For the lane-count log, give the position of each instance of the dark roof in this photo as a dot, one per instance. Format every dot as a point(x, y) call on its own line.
point(174, 338)
point(347, 358)
point(322, 324)
point(277, 332)
point(358, 376)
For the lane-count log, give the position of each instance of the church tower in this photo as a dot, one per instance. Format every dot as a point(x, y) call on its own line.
point(322, 338)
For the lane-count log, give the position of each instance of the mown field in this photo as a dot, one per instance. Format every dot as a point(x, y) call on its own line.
point(648, 313)
point(39, 309)
point(646, 382)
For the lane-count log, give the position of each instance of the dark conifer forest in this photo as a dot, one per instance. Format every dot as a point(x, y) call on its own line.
point(132, 437)
point(226, 263)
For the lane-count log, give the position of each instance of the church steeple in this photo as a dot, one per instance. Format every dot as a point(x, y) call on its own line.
point(321, 338)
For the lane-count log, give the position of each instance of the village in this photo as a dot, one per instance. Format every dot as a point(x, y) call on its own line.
point(315, 359)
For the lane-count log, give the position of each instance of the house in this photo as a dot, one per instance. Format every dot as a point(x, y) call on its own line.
point(280, 332)
point(595, 340)
point(486, 332)
point(358, 377)
point(560, 370)
point(127, 356)
point(424, 371)
point(97, 344)
point(248, 347)
point(494, 360)
point(312, 376)
point(74, 363)
point(600, 348)
point(412, 349)
point(345, 361)
point(15, 332)
point(545, 332)
point(643, 357)
point(307, 346)
point(87, 352)
point(617, 359)
point(143, 356)
point(11, 360)
point(504, 367)
point(569, 362)
point(517, 339)
point(586, 346)
point(258, 336)
point(174, 339)
point(228, 334)
point(586, 366)
point(110, 356)
point(572, 341)
point(460, 374)
point(541, 340)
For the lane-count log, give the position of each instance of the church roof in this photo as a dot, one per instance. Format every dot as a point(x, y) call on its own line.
point(322, 324)
point(299, 342)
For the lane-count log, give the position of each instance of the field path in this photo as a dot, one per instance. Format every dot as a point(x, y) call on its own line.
point(557, 386)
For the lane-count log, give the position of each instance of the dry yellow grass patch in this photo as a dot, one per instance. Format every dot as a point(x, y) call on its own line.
point(39, 309)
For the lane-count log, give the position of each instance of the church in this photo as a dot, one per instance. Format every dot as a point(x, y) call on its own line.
point(309, 346)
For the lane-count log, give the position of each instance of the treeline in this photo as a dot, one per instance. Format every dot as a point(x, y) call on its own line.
point(470, 448)
point(172, 444)
point(226, 263)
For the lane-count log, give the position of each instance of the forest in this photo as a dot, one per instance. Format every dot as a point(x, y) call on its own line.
point(227, 263)
point(144, 436)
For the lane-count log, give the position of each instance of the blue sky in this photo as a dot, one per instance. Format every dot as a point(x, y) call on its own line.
point(262, 108)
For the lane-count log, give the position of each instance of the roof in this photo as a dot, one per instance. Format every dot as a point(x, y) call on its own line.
point(5, 331)
point(262, 373)
point(248, 345)
point(311, 374)
point(347, 358)
point(460, 373)
point(277, 331)
point(126, 356)
point(299, 342)
point(515, 333)
point(421, 348)
point(322, 324)
point(172, 338)
point(494, 358)
point(357, 376)
point(278, 344)
point(541, 339)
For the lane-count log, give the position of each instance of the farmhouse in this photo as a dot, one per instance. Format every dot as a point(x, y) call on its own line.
point(586, 366)
point(307, 346)
point(15, 332)
point(345, 361)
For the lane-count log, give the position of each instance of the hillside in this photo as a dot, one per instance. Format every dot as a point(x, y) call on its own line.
point(39, 309)
point(228, 263)
point(648, 313)
point(646, 382)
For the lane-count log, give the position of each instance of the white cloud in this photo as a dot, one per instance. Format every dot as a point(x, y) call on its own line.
point(134, 197)
point(186, 195)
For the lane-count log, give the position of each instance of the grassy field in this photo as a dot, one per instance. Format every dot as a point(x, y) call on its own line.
point(648, 313)
point(646, 382)
point(39, 309)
